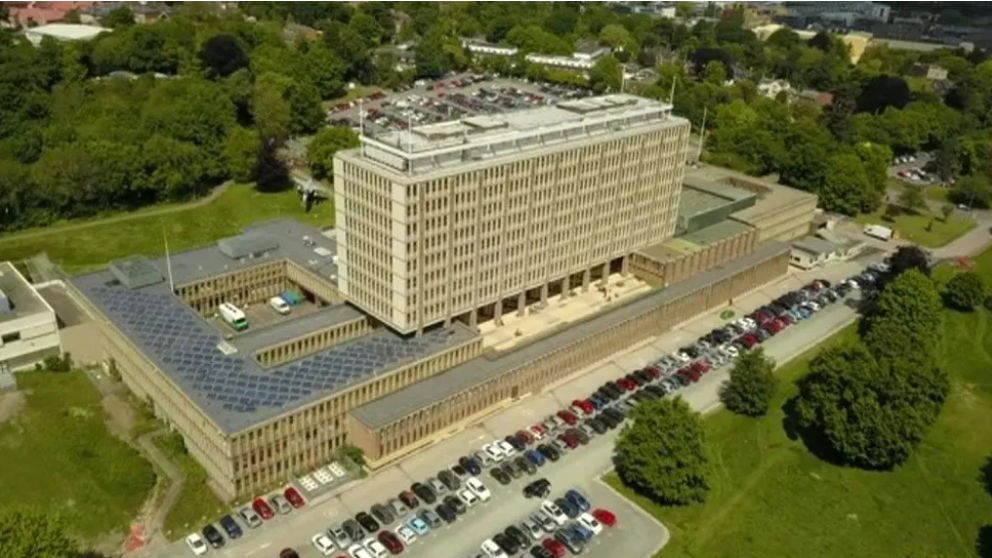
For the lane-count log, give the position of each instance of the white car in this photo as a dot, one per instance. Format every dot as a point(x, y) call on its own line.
point(406, 534)
point(493, 451)
point(681, 357)
point(358, 551)
point(323, 544)
point(479, 489)
point(589, 522)
point(731, 351)
point(491, 549)
point(507, 448)
point(554, 512)
point(468, 497)
point(375, 548)
point(196, 544)
point(279, 305)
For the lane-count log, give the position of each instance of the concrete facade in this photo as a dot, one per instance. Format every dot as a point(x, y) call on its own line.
point(451, 227)
point(657, 312)
point(29, 330)
point(664, 265)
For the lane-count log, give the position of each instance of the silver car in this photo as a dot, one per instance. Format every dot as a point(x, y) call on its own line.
point(340, 536)
point(280, 504)
point(399, 509)
point(438, 486)
point(250, 518)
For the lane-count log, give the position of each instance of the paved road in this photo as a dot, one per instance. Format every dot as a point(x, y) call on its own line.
point(578, 470)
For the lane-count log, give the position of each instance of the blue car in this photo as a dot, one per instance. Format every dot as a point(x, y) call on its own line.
point(535, 457)
point(597, 402)
point(230, 527)
point(576, 498)
point(581, 532)
point(419, 526)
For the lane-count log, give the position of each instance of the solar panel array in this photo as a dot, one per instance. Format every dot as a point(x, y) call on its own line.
point(186, 349)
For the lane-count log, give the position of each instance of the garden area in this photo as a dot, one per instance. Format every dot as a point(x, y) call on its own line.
point(59, 457)
point(922, 227)
point(83, 246)
point(771, 496)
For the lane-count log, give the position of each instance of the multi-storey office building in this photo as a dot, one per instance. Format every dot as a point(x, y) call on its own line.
point(29, 331)
point(471, 218)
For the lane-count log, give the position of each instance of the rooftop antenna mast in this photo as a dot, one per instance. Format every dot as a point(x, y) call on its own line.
point(168, 261)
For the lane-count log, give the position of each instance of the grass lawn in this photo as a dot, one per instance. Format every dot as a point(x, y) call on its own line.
point(87, 248)
point(357, 93)
point(197, 505)
point(937, 193)
point(914, 226)
point(58, 455)
point(771, 497)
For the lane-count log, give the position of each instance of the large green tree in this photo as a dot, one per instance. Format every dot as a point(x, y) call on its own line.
point(32, 534)
point(904, 323)
point(965, 291)
point(323, 146)
point(751, 384)
point(241, 152)
point(662, 455)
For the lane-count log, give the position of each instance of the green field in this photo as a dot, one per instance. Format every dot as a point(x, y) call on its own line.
point(914, 226)
point(79, 249)
point(57, 455)
point(197, 505)
point(771, 497)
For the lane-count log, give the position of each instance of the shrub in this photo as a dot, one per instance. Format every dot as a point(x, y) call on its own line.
point(964, 291)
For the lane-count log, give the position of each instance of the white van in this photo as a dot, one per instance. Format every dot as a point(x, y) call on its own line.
point(233, 316)
point(279, 305)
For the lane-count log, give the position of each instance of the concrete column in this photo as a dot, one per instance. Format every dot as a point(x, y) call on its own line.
point(565, 287)
point(521, 303)
point(544, 294)
point(606, 273)
point(625, 266)
point(473, 317)
point(585, 280)
point(498, 312)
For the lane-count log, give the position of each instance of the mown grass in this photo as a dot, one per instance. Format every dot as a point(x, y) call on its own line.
point(83, 249)
point(923, 228)
point(57, 455)
point(197, 504)
point(771, 497)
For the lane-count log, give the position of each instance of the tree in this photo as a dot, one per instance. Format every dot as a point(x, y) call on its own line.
point(325, 69)
point(662, 455)
point(222, 55)
point(904, 322)
point(965, 291)
point(911, 198)
point(821, 41)
point(972, 191)
point(241, 153)
point(948, 159)
point(617, 37)
point(867, 416)
point(119, 18)
point(32, 534)
point(323, 146)
point(906, 258)
point(270, 112)
point(751, 385)
point(606, 75)
point(715, 73)
point(846, 187)
point(432, 59)
point(784, 38)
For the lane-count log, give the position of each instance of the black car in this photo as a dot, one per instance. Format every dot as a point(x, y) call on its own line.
point(516, 442)
point(353, 529)
point(548, 452)
point(456, 504)
point(230, 527)
point(507, 543)
point(382, 514)
point(570, 509)
point(511, 469)
point(459, 471)
point(538, 551)
point(471, 465)
point(537, 489)
point(449, 479)
point(516, 534)
point(525, 465)
point(597, 425)
point(656, 390)
point(424, 492)
point(213, 536)
point(446, 512)
point(500, 475)
point(615, 413)
point(367, 522)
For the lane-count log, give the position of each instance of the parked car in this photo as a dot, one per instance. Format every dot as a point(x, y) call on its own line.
point(231, 527)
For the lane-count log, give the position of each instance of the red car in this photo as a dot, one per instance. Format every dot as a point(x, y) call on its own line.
point(294, 497)
point(527, 437)
point(626, 384)
point(539, 427)
point(391, 542)
point(571, 441)
point(568, 417)
point(554, 547)
point(606, 517)
point(262, 508)
point(653, 370)
point(585, 405)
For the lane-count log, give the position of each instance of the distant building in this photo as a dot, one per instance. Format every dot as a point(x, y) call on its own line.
point(478, 46)
point(29, 14)
point(63, 32)
point(821, 98)
point(144, 12)
point(772, 87)
point(845, 13)
point(29, 331)
point(932, 72)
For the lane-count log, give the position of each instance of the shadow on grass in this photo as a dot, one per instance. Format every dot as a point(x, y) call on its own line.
point(815, 442)
point(985, 475)
point(983, 543)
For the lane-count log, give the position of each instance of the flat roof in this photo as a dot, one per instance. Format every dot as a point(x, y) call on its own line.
point(24, 300)
point(694, 202)
point(688, 243)
point(477, 138)
point(68, 31)
point(233, 389)
point(394, 406)
point(814, 245)
point(772, 197)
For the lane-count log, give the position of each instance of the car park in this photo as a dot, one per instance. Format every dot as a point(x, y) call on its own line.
point(323, 544)
point(196, 544)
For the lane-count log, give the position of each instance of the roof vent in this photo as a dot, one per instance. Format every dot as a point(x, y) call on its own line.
point(136, 272)
point(247, 245)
